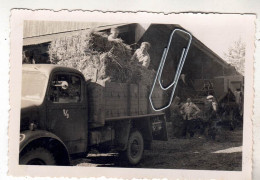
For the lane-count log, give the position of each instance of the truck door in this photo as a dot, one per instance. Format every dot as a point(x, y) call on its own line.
point(67, 110)
point(159, 129)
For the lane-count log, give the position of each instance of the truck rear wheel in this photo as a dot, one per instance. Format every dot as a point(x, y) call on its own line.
point(37, 156)
point(135, 148)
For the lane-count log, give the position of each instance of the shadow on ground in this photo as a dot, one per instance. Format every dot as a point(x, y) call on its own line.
point(194, 153)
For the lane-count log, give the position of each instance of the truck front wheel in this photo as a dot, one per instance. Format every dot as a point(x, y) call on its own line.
point(135, 148)
point(37, 156)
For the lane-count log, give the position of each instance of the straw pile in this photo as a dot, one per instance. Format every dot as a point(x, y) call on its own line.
point(96, 57)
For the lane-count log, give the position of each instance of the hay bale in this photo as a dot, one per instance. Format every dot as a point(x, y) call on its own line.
point(98, 58)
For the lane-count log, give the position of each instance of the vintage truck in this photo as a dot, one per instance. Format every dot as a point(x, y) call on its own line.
point(64, 116)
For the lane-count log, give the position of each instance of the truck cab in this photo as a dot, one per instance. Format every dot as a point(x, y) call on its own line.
point(53, 101)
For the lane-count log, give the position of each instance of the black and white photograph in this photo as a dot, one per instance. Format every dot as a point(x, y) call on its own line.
point(146, 95)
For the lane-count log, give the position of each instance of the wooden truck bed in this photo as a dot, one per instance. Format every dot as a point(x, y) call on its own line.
point(115, 101)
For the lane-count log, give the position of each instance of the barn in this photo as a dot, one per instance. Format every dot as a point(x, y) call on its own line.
point(204, 72)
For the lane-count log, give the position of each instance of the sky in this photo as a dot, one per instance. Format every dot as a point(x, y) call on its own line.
point(220, 32)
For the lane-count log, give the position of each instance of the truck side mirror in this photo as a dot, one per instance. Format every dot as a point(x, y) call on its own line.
point(62, 84)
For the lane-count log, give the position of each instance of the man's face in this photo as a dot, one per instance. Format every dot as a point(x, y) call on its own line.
point(144, 47)
point(115, 33)
point(210, 100)
point(188, 100)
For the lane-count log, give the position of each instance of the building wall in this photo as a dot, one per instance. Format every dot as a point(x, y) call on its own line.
point(39, 28)
point(37, 54)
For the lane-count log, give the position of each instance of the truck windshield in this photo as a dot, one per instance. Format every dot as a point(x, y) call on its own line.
point(33, 85)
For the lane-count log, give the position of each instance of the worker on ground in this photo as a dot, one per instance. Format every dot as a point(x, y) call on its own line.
point(210, 116)
point(141, 55)
point(176, 118)
point(189, 111)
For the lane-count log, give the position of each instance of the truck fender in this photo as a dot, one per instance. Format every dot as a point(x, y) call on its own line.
point(47, 139)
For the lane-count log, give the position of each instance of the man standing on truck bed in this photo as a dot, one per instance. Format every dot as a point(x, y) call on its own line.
point(189, 111)
point(141, 55)
point(114, 32)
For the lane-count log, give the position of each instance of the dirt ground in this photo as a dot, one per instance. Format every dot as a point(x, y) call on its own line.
point(198, 152)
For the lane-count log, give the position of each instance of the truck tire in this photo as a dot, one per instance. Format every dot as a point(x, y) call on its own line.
point(37, 156)
point(135, 148)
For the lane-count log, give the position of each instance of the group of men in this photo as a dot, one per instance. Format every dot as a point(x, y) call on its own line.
point(141, 55)
point(187, 117)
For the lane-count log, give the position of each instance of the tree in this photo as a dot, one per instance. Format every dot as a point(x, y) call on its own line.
point(236, 55)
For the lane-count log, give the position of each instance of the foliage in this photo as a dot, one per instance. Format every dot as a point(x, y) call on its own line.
point(236, 56)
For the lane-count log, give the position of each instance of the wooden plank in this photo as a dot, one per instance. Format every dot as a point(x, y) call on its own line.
point(114, 101)
point(133, 117)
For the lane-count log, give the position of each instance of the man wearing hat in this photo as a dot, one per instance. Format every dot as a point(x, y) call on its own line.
point(210, 115)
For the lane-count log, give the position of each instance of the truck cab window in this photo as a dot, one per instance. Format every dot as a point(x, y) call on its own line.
point(65, 89)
